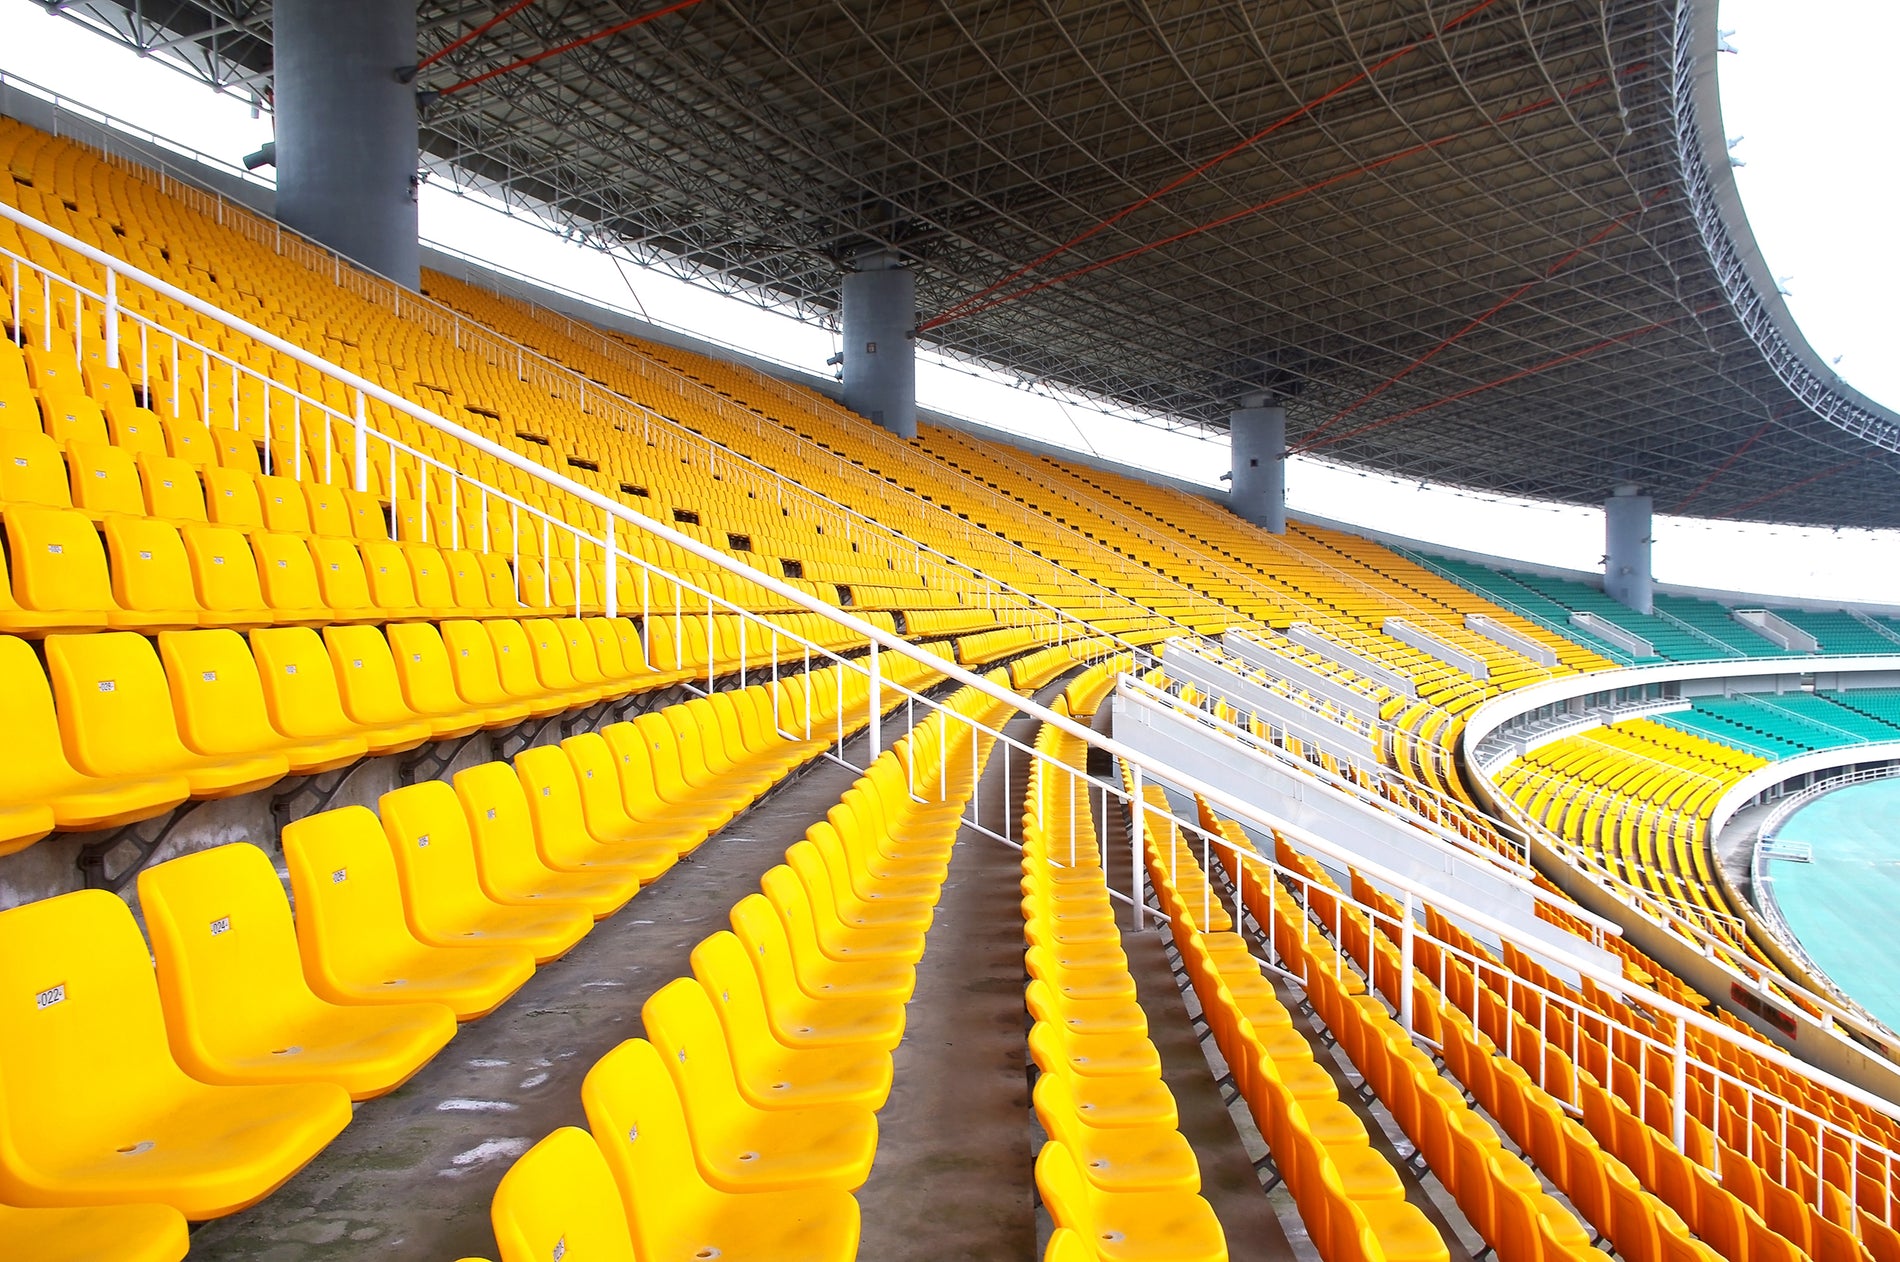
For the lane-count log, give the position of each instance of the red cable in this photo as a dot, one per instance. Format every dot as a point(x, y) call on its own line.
point(1520, 374)
point(546, 53)
point(1722, 468)
point(477, 33)
point(1776, 494)
point(955, 310)
point(1619, 222)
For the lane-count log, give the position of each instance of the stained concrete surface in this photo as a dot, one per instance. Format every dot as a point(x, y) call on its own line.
point(413, 1174)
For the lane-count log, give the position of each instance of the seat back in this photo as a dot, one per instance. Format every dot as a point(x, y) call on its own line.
point(70, 415)
point(340, 576)
point(732, 986)
point(607, 648)
point(582, 659)
point(35, 760)
point(682, 1025)
point(58, 563)
point(327, 511)
point(466, 582)
point(367, 519)
point(632, 752)
point(222, 569)
point(150, 569)
point(422, 664)
point(549, 648)
point(435, 858)
point(229, 977)
point(31, 470)
point(349, 902)
point(215, 692)
point(114, 706)
point(757, 924)
point(553, 796)
point(663, 756)
point(496, 808)
point(298, 682)
point(231, 498)
point(472, 663)
point(79, 1021)
point(366, 676)
point(630, 1098)
point(391, 586)
point(286, 572)
point(514, 658)
point(598, 778)
point(104, 479)
point(285, 507)
point(560, 1200)
point(429, 572)
point(172, 488)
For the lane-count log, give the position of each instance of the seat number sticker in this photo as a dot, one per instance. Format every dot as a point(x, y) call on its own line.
point(221, 925)
point(52, 995)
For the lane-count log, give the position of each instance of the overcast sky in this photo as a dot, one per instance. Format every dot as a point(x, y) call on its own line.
point(1802, 94)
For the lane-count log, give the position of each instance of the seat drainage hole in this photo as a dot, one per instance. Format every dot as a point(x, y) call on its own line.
point(292, 1050)
point(748, 1156)
point(1113, 1237)
point(707, 1252)
point(781, 1086)
point(133, 1150)
point(1098, 1164)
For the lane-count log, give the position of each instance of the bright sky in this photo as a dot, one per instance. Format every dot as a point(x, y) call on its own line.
point(1803, 99)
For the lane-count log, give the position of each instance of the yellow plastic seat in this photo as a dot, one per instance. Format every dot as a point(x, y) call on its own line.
point(286, 510)
point(231, 498)
point(741, 1147)
point(371, 690)
point(514, 664)
point(70, 415)
point(224, 573)
point(172, 490)
point(476, 675)
point(151, 573)
point(104, 479)
point(442, 894)
point(122, 1233)
point(219, 702)
point(428, 681)
point(636, 748)
point(59, 568)
point(341, 582)
point(327, 511)
point(1124, 1226)
point(116, 719)
point(288, 579)
point(771, 1075)
point(874, 1022)
point(805, 892)
point(39, 790)
point(301, 696)
point(351, 933)
point(777, 944)
point(549, 648)
point(1115, 1158)
point(511, 868)
point(392, 588)
point(603, 804)
point(560, 828)
point(558, 1201)
point(94, 1111)
point(429, 574)
point(672, 1210)
point(32, 471)
point(237, 1008)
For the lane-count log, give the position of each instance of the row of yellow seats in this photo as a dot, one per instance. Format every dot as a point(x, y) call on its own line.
point(236, 1060)
point(1349, 1196)
point(128, 730)
point(1116, 1175)
point(742, 1123)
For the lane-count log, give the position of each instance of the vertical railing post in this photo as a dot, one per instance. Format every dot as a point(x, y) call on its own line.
point(1135, 851)
point(1679, 1088)
point(362, 443)
point(876, 704)
point(1405, 967)
point(611, 596)
point(112, 317)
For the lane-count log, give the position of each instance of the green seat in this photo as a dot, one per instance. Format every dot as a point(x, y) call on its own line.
point(237, 1007)
point(442, 893)
point(672, 1210)
point(94, 1110)
point(354, 938)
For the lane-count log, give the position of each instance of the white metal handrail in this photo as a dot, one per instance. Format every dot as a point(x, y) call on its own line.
point(879, 641)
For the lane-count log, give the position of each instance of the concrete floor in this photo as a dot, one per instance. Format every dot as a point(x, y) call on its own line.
point(412, 1176)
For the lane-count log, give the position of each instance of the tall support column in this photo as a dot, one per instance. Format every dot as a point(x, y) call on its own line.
point(1257, 488)
point(346, 129)
point(880, 343)
point(1627, 533)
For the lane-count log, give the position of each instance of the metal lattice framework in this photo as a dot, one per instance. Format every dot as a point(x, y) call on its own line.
point(1488, 245)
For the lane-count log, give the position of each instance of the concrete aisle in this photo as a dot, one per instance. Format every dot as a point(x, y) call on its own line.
point(953, 1178)
point(412, 1176)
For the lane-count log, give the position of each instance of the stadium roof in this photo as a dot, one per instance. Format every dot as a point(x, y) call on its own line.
point(1492, 243)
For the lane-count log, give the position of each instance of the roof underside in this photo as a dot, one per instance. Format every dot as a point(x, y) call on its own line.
point(1480, 248)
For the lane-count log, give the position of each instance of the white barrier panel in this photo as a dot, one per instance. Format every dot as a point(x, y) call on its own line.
point(1172, 739)
point(1268, 656)
point(1522, 645)
point(1607, 631)
point(1357, 746)
point(1456, 658)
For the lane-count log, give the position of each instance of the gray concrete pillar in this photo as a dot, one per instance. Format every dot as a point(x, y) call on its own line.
point(346, 129)
point(1627, 534)
point(1257, 490)
point(880, 345)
